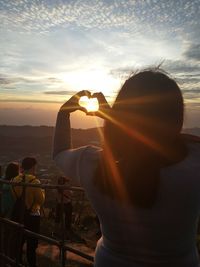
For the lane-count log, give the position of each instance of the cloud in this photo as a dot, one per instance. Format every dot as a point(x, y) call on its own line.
point(180, 66)
point(45, 15)
point(45, 46)
point(53, 80)
point(76, 29)
point(134, 16)
point(126, 72)
point(186, 74)
point(29, 83)
point(189, 80)
point(193, 52)
point(16, 100)
point(191, 71)
point(9, 80)
point(5, 81)
point(122, 72)
point(60, 92)
point(195, 91)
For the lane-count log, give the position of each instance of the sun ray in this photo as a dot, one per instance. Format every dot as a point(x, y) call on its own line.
point(140, 100)
point(115, 173)
point(136, 134)
point(133, 133)
point(112, 165)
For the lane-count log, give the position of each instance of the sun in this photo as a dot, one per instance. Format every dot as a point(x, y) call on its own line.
point(91, 104)
point(92, 80)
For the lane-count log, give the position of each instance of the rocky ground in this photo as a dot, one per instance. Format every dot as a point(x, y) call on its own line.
point(82, 238)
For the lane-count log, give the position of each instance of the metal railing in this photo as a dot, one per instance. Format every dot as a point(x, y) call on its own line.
point(60, 243)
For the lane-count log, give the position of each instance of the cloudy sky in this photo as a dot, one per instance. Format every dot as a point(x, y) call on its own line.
point(50, 49)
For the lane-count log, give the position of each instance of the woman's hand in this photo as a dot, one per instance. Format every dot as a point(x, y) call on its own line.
point(73, 103)
point(104, 108)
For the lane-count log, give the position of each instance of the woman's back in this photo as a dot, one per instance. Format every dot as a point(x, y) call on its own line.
point(163, 234)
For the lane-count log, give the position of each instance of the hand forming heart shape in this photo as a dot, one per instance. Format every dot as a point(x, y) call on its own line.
point(91, 104)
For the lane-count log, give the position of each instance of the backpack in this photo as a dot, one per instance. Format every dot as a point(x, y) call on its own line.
point(20, 210)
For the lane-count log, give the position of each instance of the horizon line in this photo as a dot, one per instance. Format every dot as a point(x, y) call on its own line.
point(42, 125)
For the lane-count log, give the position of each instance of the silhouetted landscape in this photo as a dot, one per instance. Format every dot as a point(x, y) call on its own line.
point(17, 142)
point(38, 139)
point(30, 139)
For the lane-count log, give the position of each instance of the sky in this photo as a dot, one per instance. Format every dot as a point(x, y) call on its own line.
point(51, 49)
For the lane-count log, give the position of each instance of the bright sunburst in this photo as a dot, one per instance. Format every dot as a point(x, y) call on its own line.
point(91, 104)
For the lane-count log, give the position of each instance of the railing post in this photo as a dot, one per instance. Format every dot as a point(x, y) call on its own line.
point(62, 250)
point(1, 229)
point(20, 239)
point(1, 189)
point(19, 244)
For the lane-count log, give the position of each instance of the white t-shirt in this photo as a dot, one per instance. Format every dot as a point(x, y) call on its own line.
point(163, 236)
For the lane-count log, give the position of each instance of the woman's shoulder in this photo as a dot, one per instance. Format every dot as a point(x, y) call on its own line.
point(74, 153)
point(17, 178)
point(90, 156)
point(33, 179)
point(92, 151)
point(88, 164)
point(193, 144)
point(190, 165)
point(190, 138)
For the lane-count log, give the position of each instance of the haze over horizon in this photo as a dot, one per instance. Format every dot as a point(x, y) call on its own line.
point(52, 49)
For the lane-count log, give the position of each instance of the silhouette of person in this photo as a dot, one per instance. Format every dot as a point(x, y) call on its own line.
point(144, 182)
point(34, 199)
point(12, 170)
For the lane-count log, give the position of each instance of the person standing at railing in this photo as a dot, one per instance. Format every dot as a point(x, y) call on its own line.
point(144, 183)
point(34, 199)
point(12, 170)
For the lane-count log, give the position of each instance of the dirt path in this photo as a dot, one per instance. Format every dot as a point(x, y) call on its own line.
point(52, 255)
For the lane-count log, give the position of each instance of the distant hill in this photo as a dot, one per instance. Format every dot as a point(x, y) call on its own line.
point(38, 139)
point(47, 131)
point(26, 131)
point(42, 131)
point(194, 131)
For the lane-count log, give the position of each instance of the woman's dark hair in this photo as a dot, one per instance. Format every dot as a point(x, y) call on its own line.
point(12, 170)
point(142, 136)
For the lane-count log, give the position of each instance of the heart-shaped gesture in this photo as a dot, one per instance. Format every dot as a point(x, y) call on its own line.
point(90, 104)
point(94, 105)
